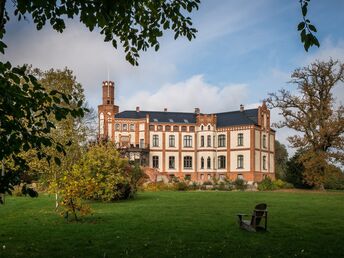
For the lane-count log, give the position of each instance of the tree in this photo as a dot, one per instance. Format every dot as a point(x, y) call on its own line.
point(281, 158)
point(295, 170)
point(315, 115)
point(137, 25)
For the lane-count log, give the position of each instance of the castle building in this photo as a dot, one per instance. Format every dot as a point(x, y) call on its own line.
point(194, 145)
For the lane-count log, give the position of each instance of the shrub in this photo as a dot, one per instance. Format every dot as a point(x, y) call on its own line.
point(334, 179)
point(240, 184)
point(280, 184)
point(266, 185)
point(207, 183)
point(181, 186)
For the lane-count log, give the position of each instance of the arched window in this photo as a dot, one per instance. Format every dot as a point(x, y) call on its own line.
point(208, 141)
point(132, 127)
point(240, 161)
point(240, 139)
point(117, 127)
point(187, 141)
point(167, 128)
point(222, 140)
point(175, 128)
point(209, 127)
point(222, 162)
point(171, 162)
point(187, 162)
point(202, 163)
point(202, 127)
point(202, 141)
point(125, 127)
point(171, 141)
point(208, 162)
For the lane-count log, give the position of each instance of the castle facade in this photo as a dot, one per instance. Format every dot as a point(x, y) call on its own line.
point(192, 145)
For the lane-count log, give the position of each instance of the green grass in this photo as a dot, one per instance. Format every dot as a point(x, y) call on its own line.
point(177, 224)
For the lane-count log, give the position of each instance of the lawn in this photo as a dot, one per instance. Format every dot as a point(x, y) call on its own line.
point(177, 224)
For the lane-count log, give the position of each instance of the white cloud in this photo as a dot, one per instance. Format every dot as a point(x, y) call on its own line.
point(188, 94)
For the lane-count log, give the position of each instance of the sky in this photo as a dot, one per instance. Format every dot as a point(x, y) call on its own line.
point(243, 50)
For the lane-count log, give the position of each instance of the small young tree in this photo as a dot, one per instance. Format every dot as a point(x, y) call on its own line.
point(313, 113)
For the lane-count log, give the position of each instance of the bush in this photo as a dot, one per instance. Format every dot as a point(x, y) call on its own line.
point(240, 184)
point(267, 185)
point(181, 186)
point(334, 179)
point(207, 183)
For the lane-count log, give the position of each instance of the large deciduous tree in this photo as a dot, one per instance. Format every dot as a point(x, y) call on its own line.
point(313, 112)
point(26, 107)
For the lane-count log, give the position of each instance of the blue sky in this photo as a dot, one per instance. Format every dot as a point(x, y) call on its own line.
point(243, 50)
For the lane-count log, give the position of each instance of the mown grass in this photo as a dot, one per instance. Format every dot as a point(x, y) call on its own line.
point(177, 224)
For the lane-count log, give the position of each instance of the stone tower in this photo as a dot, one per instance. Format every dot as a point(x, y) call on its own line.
point(107, 111)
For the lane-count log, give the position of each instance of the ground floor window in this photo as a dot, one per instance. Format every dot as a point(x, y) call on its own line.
point(155, 161)
point(209, 177)
point(187, 162)
point(171, 162)
point(222, 162)
point(202, 177)
point(240, 161)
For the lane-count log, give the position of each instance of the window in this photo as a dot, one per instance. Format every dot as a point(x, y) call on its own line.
point(132, 127)
point(240, 161)
point(171, 162)
point(175, 128)
point(187, 141)
point(171, 141)
point(264, 162)
point(187, 177)
point(155, 161)
point(167, 128)
point(209, 177)
point(151, 128)
point(183, 128)
point(202, 163)
point(208, 162)
point(222, 140)
point(155, 140)
point(202, 177)
point(159, 127)
point(264, 141)
point(142, 143)
point(187, 162)
point(240, 139)
point(191, 128)
point(202, 127)
point(117, 127)
point(202, 141)
point(222, 162)
point(209, 127)
point(208, 141)
point(125, 127)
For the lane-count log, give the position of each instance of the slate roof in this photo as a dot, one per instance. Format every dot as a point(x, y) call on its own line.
point(247, 117)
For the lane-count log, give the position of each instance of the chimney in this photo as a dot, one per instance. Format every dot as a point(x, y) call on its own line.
point(137, 109)
point(241, 107)
point(165, 109)
point(197, 110)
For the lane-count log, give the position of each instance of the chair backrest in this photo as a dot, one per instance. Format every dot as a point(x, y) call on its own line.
point(258, 213)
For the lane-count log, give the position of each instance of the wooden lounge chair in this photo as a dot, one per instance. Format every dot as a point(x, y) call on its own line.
point(260, 212)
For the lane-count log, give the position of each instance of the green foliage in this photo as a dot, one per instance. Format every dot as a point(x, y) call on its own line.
point(181, 186)
point(294, 172)
point(240, 184)
point(26, 112)
point(207, 183)
point(266, 185)
point(334, 179)
point(136, 25)
point(307, 29)
point(281, 158)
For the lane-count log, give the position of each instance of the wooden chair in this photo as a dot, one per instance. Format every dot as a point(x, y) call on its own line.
point(260, 212)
